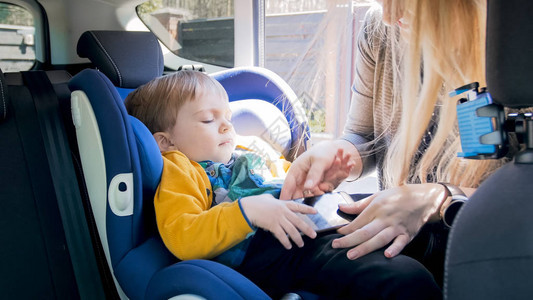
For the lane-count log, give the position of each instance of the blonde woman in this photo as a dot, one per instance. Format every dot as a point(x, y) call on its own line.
point(411, 53)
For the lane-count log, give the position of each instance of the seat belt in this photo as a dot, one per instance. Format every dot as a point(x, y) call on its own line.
point(65, 185)
point(29, 196)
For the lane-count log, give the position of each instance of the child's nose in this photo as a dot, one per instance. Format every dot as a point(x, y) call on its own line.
point(226, 125)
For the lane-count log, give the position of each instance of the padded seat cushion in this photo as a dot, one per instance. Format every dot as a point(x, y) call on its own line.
point(149, 154)
point(262, 119)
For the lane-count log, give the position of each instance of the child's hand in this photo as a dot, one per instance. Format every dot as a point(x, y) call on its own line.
point(339, 171)
point(279, 217)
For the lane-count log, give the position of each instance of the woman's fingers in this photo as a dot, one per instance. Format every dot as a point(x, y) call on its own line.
point(373, 237)
point(378, 241)
point(316, 173)
point(397, 246)
point(290, 189)
point(357, 208)
point(359, 236)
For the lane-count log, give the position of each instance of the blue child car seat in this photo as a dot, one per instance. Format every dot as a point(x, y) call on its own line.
point(122, 165)
point(490, 247)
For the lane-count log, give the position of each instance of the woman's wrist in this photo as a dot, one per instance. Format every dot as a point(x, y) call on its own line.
point(453, 203)
point(440, 196)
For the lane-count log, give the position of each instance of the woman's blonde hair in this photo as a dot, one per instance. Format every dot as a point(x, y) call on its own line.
point(445, 49)
point(158, 102)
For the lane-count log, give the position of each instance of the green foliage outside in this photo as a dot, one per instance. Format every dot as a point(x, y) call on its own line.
point(148, 7)
point(317, 120)
point(198, 8)
point(15, 15)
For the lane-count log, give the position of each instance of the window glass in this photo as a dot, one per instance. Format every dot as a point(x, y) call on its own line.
point(198, 30)
point(310, 44)
point(17, 47)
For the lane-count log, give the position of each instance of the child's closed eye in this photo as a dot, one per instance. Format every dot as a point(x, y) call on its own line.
point(207, 121)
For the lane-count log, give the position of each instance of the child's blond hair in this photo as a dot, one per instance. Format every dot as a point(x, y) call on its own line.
point(158, 102)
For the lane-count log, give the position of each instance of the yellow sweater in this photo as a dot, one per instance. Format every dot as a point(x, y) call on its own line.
point(189, 226)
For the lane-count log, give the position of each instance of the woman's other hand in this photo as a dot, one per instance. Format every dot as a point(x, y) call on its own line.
point(279, 217)
point(394, 215)
point(321, 169)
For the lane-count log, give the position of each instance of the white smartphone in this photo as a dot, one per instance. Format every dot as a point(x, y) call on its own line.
point(328, 217)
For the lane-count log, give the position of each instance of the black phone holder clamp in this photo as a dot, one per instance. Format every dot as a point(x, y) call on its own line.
point(484, 127)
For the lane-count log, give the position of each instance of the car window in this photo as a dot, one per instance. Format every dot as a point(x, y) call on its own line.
point(198, 30)
point(16, 38)
point(310, 44)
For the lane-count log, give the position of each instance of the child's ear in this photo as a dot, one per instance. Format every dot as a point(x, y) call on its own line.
point(163, 141)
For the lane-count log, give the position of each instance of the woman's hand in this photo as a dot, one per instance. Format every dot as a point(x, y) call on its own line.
point(320, 169)
point(394, 215)
point(279, 217)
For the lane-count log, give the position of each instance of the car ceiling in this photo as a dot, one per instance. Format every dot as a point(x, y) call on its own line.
point(68, 19)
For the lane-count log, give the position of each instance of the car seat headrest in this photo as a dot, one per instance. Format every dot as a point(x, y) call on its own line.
point(3, 96)
point(509, 56)
point(128, 58)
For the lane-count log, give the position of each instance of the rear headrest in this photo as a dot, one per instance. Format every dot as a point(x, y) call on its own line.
point(510, 52)
point(3, 96)
point(128, 58)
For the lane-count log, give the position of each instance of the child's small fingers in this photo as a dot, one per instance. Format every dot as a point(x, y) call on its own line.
point(280, 234)
point(326, 187)
point(293, 233)
point(301, 208)
point(302, 226)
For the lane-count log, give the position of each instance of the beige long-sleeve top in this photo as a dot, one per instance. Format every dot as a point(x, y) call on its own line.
point(370, 125)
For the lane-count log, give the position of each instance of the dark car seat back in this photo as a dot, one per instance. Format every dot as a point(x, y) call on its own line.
point(45, 235)
point(490, 248)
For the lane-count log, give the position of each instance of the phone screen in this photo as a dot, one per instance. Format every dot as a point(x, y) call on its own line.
point(328, 216)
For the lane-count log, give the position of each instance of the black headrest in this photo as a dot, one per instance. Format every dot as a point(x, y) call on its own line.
point(510, 52)
point(3, 96)
point(128, 58)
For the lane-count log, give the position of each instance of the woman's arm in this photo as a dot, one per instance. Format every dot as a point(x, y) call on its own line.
point(317, 170)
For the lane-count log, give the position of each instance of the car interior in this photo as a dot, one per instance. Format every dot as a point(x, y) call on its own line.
point(79, 173)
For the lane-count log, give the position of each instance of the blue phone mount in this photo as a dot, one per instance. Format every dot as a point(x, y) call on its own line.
point(481, 124)
point(484, 126)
